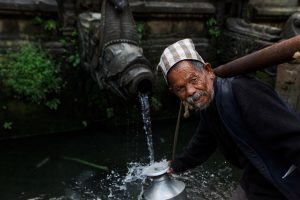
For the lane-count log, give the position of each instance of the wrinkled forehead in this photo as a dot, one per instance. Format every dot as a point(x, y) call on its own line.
point(184, 70)
point(183, 65)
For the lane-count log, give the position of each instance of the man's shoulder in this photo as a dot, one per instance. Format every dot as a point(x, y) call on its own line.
point(243, 86)
point(243, 79)
point(244, 83)
point(236, 82)
point(236, 79)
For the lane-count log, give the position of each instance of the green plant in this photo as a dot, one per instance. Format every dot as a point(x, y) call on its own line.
point(71, 54)
point(7, 125)
point(53, 103)
point(140, 29)
point(74, 59)
point(37, 20)
point(31, 74)
point(48, 25)
point(212, 26)
point(74, 34)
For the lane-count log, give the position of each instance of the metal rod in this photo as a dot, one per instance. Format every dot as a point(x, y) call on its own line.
point(266, 57)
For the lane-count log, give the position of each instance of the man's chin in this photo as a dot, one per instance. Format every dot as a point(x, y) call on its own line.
point(201, 105)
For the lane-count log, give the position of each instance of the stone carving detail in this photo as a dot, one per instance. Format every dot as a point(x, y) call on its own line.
point(110, 49)
point(292, 26)
point(241, 38)
point(262, 32)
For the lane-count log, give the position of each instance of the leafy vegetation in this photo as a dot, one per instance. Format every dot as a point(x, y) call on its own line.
point(7, 125)
point(74, 59)
point(31, 74)
point(213, 28)
point(72, 55)
point(48, 25)
point(140, 29)
point(53, 103)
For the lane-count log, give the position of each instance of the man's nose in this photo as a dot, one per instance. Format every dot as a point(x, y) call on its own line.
point(190, 90)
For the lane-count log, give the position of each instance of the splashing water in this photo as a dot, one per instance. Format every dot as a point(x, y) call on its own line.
point(156, 168)
point(114, 186)
point(144, 101)
point(136, 176)
point(216, 184)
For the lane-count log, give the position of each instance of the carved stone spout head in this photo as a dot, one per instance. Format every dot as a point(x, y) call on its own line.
point(110, 50)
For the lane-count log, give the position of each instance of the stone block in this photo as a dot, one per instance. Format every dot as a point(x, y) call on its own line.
point(288, 84)
point(183, 28)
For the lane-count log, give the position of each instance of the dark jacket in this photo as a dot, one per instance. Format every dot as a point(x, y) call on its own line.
point(255, 130)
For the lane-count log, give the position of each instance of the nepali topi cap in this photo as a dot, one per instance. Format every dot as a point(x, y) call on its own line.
point(181, 50)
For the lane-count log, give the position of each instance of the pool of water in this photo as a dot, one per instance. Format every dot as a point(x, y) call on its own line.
point(37, 168)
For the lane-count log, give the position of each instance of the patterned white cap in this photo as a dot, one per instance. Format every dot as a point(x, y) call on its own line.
point(181, 50)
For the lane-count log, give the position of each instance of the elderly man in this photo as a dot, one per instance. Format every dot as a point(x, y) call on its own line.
point(254, 129)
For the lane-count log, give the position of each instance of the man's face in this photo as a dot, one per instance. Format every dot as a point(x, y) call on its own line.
point(191, 84)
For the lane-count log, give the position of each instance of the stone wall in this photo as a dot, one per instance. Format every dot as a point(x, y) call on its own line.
point(163, 22)
point(17, 24)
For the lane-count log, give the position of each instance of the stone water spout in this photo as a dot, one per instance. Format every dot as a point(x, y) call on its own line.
point(110, 50)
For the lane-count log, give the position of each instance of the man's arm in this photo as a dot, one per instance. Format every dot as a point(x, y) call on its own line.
point(200, 147)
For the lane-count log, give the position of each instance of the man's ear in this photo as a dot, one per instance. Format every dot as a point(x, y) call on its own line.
point(209, 70)
point(207, 67)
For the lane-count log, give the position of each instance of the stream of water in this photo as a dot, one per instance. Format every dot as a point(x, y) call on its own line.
point(145, 108)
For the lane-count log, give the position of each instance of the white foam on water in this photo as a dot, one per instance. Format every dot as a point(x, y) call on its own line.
point(132, 182)
point(156, 168)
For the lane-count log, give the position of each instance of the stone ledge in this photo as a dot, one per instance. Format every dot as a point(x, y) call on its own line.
point(137, 6)
point(274, 12)
point(173, 7)
point(12, 6)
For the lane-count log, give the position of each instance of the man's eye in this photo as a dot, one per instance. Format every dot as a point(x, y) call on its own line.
point(194, 80)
